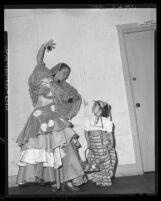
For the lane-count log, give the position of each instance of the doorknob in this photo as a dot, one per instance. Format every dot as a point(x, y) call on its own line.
point(137, 104)
point(134, 78)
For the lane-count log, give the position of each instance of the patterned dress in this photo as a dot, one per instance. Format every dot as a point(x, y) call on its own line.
point(47, 143)
point(99, 154)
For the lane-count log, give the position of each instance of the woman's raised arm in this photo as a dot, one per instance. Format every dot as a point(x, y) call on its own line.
point(49, 45)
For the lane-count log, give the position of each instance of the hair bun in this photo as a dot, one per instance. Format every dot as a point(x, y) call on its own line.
point(105, 107)
point(106, 110)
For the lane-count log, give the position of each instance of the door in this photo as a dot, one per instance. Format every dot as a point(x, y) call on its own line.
point(139, 46)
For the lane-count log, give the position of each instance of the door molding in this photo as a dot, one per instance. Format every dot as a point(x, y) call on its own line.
point(122, 30)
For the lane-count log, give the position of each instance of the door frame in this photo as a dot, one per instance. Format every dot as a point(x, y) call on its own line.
point(133, 169)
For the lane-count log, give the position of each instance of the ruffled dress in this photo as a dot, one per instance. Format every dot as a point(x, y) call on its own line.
point(47, 144)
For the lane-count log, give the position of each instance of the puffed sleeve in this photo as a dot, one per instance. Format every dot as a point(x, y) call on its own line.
point(67, 109)
point(86, 127)
point(109, 126)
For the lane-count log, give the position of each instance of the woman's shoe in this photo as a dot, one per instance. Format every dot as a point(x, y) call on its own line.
point(54, 189)
point(53, 185)
point(26, 184)
point(21, 185)
point(46, 184)
point(71, 188)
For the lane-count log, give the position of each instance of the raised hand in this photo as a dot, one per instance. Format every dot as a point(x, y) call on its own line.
point(110, 146)
point(49, 45)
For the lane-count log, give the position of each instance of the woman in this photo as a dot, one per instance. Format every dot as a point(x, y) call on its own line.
point(67, 101)
point(62, 139)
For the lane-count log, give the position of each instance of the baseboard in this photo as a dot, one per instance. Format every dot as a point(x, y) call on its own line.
point(128, 170)
point(12, 181)
point(121, 171)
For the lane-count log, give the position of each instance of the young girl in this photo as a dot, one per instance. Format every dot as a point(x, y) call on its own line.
point(100, 141)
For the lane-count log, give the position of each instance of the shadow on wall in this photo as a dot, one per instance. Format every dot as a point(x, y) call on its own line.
point(116, 165)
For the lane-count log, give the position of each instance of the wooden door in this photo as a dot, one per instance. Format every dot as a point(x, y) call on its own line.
point(139, 46)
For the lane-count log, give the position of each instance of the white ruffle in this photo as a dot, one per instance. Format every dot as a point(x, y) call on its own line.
point(107, 125)
point(33, 156)
point(57, 158)
point(49, 159)
point(21, 163)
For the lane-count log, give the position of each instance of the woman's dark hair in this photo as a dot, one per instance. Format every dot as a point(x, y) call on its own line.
point(64, 65)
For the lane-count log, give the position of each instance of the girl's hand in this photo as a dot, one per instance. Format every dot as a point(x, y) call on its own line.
point(49, 45)
point(110, 146)
point(88, 145)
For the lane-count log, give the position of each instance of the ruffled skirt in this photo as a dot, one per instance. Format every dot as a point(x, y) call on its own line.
point(39, 161)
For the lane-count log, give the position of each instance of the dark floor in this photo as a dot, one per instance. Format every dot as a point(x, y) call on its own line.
point(121, 185)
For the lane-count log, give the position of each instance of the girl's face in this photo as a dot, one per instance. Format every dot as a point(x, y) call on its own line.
point(96, 110)
point(62, 74)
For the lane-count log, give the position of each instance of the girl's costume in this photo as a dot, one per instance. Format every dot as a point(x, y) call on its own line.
point(47, 142)
point(98, 132)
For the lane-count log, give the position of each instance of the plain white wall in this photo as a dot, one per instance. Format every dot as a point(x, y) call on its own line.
point(87, 41)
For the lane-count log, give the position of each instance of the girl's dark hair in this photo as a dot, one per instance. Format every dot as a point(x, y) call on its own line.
point(106, 110)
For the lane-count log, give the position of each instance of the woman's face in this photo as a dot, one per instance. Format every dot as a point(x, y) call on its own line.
point(96, 110)
point(62, 74)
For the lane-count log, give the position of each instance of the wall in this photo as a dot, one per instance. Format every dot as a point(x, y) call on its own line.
point(87, 40)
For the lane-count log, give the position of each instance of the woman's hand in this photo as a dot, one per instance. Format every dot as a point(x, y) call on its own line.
point(70, 125)
point(49, 45)
point(65, 99)
point(88, 145)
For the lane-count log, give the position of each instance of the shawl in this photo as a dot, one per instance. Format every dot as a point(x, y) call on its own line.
point(40, 118)
point(67, 99)
point(35, 81)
